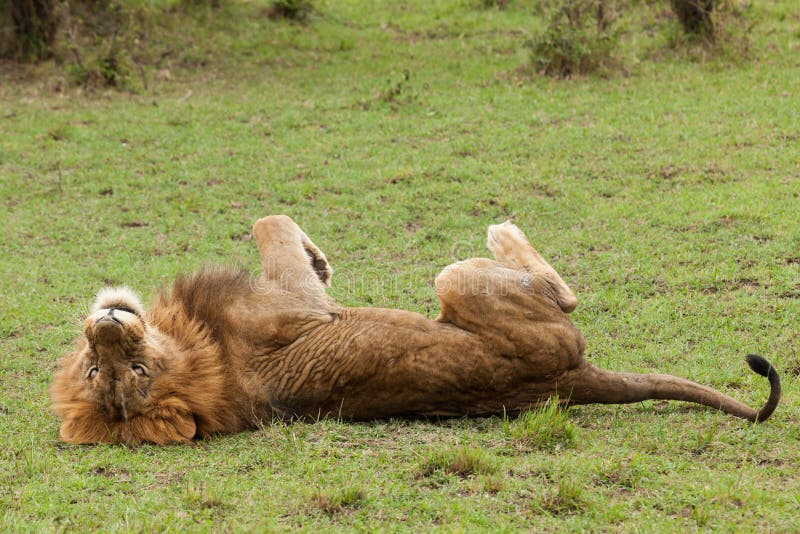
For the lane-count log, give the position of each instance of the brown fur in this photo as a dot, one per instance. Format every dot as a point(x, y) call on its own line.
point(221, 353)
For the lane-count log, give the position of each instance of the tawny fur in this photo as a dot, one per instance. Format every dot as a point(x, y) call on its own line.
point(220, 352)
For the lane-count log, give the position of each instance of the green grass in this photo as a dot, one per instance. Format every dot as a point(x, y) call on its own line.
point(461, 461)
point(666, 196)
point(545, 427)
point(337, 499)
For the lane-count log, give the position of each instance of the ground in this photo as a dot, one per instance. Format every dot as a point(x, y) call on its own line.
point(666, 194)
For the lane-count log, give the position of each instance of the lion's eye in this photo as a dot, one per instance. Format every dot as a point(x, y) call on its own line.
point(139, 369)
point(92, 372)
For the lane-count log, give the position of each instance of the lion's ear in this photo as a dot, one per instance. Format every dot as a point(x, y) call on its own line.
point(171, 422)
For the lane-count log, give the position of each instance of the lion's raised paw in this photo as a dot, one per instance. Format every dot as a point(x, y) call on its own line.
point(508, 244)
point(320, 264)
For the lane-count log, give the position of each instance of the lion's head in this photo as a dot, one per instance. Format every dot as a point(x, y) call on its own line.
point(116, 386)
point(116, 363)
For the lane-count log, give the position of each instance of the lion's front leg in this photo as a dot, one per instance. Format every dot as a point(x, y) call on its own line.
point(319, 262)
point(290, 258)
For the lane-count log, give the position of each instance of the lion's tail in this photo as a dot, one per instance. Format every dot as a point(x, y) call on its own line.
point(594, 385)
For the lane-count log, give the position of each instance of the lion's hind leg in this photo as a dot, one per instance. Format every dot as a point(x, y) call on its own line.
point(474, 293)
point(514, 312)
point(511, 248)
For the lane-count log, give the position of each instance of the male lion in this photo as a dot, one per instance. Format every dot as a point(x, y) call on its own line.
point(221, 353)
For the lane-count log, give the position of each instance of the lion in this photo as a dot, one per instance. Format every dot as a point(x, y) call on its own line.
point(222, 352)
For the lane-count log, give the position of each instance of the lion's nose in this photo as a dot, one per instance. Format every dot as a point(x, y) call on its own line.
point(108, 329)
point(110, 315)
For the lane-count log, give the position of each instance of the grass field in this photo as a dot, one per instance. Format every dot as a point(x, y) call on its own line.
point(667, 196)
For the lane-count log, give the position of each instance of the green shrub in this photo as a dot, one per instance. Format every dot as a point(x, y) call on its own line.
point(492, 4)
point(110, 68)
point(33, 26)
point(726, 33)
point(579, 39)
point(695, 16)
point(104, 44)
point(291, 9)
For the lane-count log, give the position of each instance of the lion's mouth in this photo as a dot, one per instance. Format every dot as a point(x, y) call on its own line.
point(109, 317)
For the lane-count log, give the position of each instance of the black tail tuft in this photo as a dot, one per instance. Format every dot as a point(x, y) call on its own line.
point(759, 364)
point(764, 368)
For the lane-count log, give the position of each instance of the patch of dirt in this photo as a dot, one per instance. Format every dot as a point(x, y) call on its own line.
point(165, 478)
point(771, 461)
point(544, 190)
point(793, 368)
point(750, 285)
point(793, 293)
point(667, 172)
point(118, 474)
point(413, 226)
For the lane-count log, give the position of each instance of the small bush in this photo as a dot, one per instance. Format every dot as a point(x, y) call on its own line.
point(579, 39)
point(112, 67)
point(726, 33)
point(103, 45)
point(33, 28)
point(546, 427)
point(695, 17)
point(193, 4)
point(492, 4)
point(463, 461)
point(298, 10)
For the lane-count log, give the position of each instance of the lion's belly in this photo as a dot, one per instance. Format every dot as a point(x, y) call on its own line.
point(376, 363)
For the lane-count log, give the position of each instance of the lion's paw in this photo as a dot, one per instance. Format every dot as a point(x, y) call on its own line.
point(508, 244)
point(318, 260)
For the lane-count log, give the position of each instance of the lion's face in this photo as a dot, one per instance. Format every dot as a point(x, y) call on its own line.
point(115, 386)
point(116, 365)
